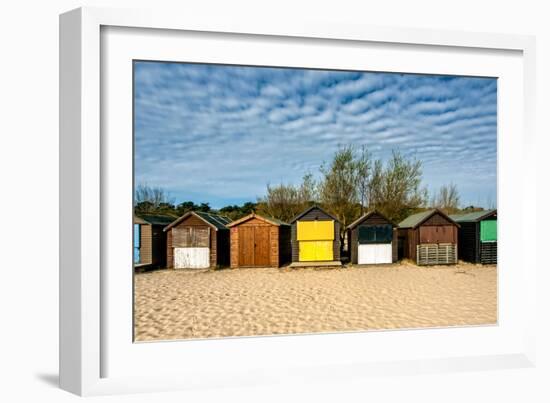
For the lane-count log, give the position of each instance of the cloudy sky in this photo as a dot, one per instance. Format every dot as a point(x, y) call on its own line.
point(219, 134)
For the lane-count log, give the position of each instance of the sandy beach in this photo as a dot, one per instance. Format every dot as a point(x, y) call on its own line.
point(182, 304)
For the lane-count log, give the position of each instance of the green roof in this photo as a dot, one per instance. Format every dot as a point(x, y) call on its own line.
point(275, 220)
point(215, 220)
point(157, 219)
point(219, 221)
point(415, 219)
point(473, 217)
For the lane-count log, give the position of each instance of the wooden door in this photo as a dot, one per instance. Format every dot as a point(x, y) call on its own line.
point(246, 246)
point(254, 245)
point(261, 246)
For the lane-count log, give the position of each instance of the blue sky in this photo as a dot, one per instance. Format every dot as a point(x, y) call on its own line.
point(219, 134)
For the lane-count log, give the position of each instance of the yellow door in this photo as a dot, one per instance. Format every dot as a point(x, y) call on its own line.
point(307, 251)
point(315, 230)
point(315, 240)
point(313, 251)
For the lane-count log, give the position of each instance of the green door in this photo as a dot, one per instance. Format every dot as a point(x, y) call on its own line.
point(488, 230)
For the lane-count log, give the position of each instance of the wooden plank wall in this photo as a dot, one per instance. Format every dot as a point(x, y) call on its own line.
point(394, 256)
point(353, 245)
point(146, 247)
point(169, 250)
point(468, 242)
point(437, 234)
point(234, 240)
point(220, 249)
point(158, 246)
point(285, 250)
point(213, 245)
point(488, 253)
point(274, 246)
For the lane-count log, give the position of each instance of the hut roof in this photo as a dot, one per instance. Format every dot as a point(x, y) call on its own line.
point(156, 219)
point(417, 219)
point(366, 216)
point(269, 220)
point(303, 213)
point(214, 220)
point(474, 216)
point(139, 220)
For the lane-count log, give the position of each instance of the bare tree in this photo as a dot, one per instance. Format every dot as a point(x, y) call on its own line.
point(286, 201)
point(396, 189)
point(363, 167)
point(338, 188)
point(376, 185)
point(447, 199)
point(308, 189)
point(151, 199)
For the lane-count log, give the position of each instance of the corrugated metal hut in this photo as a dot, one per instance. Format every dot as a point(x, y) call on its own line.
point(372, 239)
point(150, 241)
point(198, 240)
point(429, 237)
point(315, 236)
point(477, 236)
point(258, 241)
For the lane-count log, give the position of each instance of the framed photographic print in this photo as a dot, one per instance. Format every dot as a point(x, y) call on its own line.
point(246, 203)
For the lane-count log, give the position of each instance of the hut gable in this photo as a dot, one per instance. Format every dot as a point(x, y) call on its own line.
point(150, 240)
point(258, 241)
point(324, 246)
point(215, 221)
point(429, 217)
point(193, 231)
point(383, 246)
point(314, 213)
point(255, 219)
point(371, 218)
point(478, 236)
point(429, 237)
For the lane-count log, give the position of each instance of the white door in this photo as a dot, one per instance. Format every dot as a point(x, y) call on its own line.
point(191, 258)
point(375, 253)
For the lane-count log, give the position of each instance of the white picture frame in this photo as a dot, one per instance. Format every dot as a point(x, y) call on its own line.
point(88, 334)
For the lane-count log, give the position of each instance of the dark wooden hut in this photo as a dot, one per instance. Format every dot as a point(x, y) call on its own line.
point(428, 238)
point(372, 239)
point(477, 236)
point(315, 236)
point(198, 240)
point(150, 241)
point(258, 241)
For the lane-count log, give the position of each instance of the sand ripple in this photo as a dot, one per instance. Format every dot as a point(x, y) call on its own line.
point(171, 304)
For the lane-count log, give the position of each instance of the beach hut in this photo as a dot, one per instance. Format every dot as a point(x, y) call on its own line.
point(428, 238)
point(372, 239)
point(258, 241)
point(477, 236)
point(198, 240)
point(150, 241)
point(315, 237)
